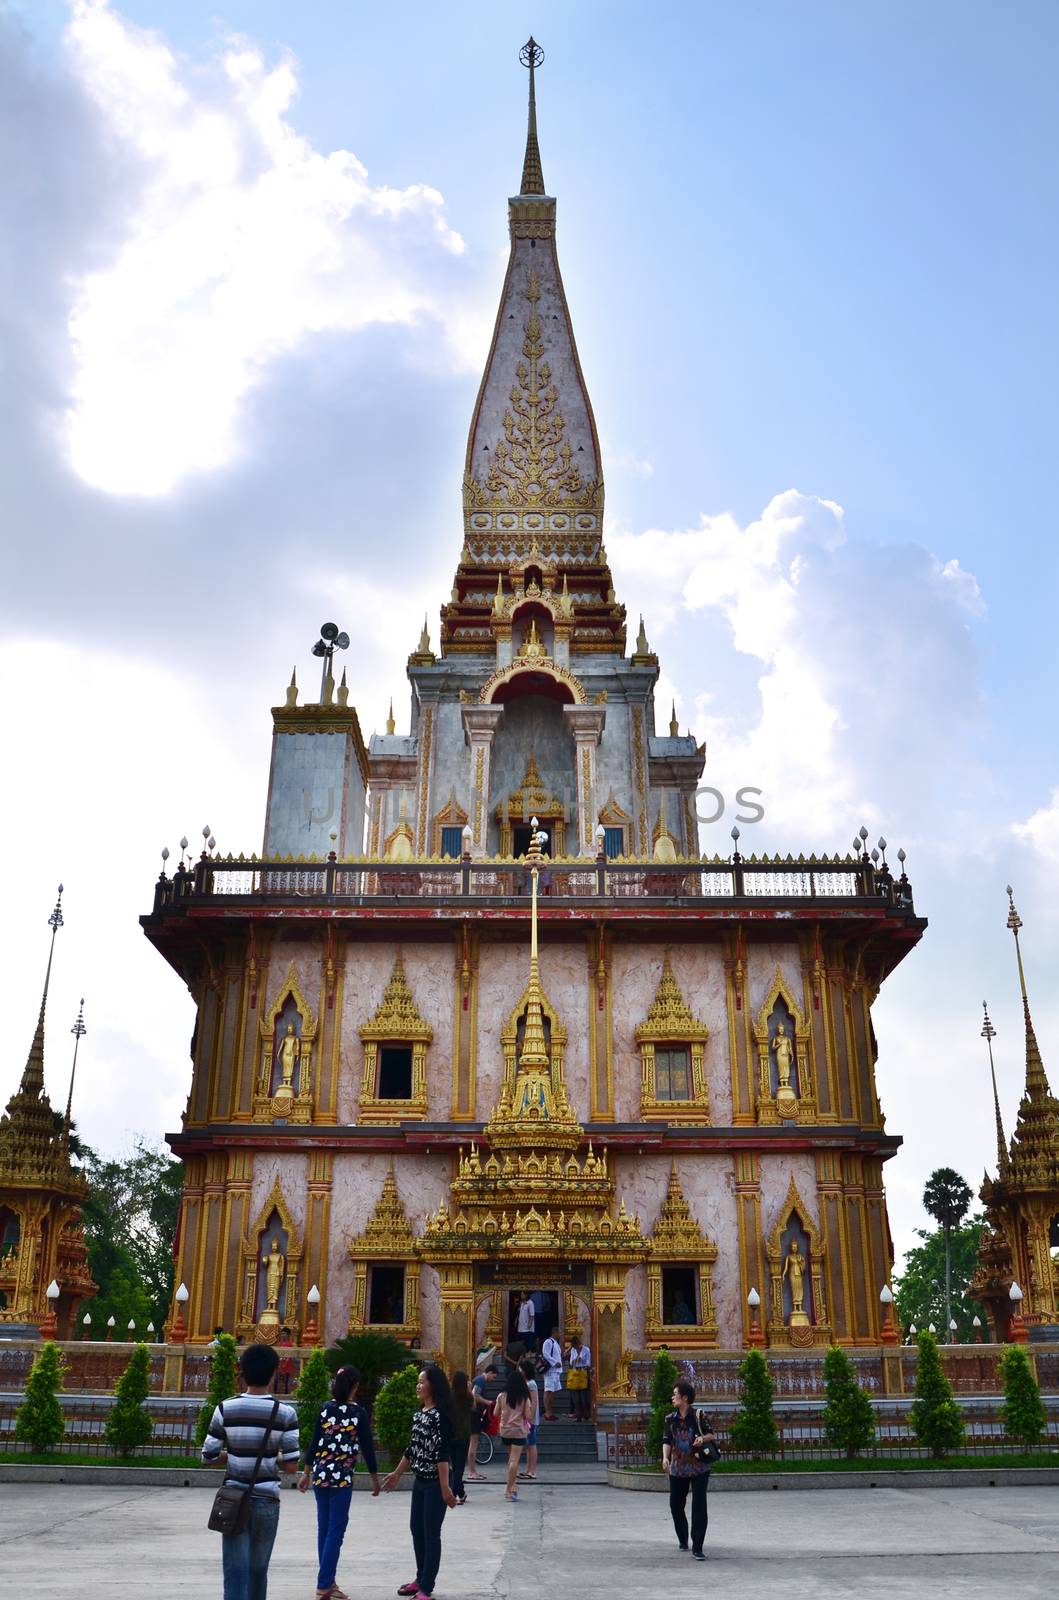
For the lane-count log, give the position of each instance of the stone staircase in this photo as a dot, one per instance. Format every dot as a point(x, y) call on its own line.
point(563, 1440)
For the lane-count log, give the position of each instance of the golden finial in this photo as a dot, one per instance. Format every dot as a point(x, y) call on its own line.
point(642, 647)
point(499, 601)
point(292, 688)
point(424, 638)
point(989, 1034)
point(534, 1045)
point(391, 726)
point(1037, 1087)
point(532, 647)
point(674, 725)
point(531, 55)
point(343, 690)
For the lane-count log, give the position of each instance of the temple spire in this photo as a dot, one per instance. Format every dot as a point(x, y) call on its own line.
point(989, 1034)
point(534, 1045)
point(33, 1074)
point(1037, 1086)
point(78, 1030)
point(531, 55)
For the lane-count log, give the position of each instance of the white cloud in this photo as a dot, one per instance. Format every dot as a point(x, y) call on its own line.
point(1041, 832)
point(239, 242)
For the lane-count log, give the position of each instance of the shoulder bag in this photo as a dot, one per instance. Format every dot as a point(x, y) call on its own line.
point(231, 1503)
point(708, 1452)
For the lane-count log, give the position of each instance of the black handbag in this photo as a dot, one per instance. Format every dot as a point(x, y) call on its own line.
point(231, 1503)
point(710, 1451)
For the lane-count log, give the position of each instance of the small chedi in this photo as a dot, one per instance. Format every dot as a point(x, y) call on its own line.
point(481, 1019)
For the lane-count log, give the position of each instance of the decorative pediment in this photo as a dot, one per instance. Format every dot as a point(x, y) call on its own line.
point(277, 1203)
point(397, 1016)
point(794, 1205)
point(780, 990)
point(509, 1031)
point(676, 1234)
point(289, 989)
point(531, 798)
point(670, 1016)
point(387, 1234)
point(611, 814)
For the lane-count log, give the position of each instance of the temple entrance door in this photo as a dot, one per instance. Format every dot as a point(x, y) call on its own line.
point(547, 1309)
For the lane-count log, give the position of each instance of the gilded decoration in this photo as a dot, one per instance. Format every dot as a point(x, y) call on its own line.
point(283, 1089)
point(551, 669)
point(785, 1090)
point(452, 815)
point(613, 816)
point(678, 1240)
point(397, 1021)
point(669, 1025)
point(387, 1238)
point(532, 464)
point(531, 799)
point(806, 1323)
point(270, 1275)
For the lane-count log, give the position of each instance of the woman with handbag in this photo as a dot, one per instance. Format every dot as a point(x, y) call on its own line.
point(514, 1412)
point(579, 1378)
point(341, 1436)
point(689, 1449)
point(254, 1437)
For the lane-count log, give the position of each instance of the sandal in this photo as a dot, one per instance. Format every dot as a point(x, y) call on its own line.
point(477, 1477)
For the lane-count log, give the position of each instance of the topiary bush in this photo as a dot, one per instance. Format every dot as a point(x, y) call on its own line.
point(395, 1407)
point(128, 1425)
point(40, 1420)
point(753, 1426)
point(937, 1421)
point(313, 1391)
point(663, 1378)
point(849, 1416)
point(222, 1383)
point(1023, 1409)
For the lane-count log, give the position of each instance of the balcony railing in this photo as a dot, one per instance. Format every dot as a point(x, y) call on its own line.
point(838, 879)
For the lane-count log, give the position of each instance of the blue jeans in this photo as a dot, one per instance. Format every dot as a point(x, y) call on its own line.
point(245, 1556)
point(428, 1513)
point(332, 1514)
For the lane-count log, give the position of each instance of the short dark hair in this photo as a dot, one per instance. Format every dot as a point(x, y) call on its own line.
point(258, 1364)
point(527, 1368)
point(682, 1386)
point(346, 1380)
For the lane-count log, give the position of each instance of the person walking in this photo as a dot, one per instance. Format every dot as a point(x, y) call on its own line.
point(463, 1410)
point(528, 1369)
point(479, 1425)
point(687, 1438)
point(514, 1410)
point(429, 1454)
point(579, 1379)
point(527, 1319)
point(240, 1429)
point(552, 1355)
point(341, 1437)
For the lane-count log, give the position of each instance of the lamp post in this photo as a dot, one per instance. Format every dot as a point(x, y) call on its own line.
point(1017, 1331)
point(150, 1331)
point(912, 1331)
point(889, 1332)
point(952, 1331)
point(976, 1324)
point(311, 1336)
point(50, 1326)
point(110, 1327)
point(86, 1325)
point(132, 1331)
point(179, 1331)
point(755, 1337)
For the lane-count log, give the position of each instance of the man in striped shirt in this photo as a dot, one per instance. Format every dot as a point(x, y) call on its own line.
point(233, 1441)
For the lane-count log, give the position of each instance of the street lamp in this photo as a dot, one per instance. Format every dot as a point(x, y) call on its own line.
point(912, 1330)
point(976, 1324)
point(1016, 1327)
point(49, 1327)
point(86, 1323)
point(179, 1332)
point(110, 1327)
point(952, 1330)
point(311, 1336)
point(755, 1336)
point(889, 1332)
point(132, 1326)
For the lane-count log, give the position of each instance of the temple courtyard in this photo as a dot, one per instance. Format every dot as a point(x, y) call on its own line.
point(561, 1539)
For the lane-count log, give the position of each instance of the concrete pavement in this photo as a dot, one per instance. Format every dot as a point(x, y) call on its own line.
point(563, 1540)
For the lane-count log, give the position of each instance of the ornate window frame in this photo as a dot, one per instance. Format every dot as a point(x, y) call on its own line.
point(679, 1241)
point(451, 815)
point(611, 815)
point(387, 1237)
point(299, 1107)
point(670, 1022)
point(802, 1104)
point(289, 1309)
point(531, 799)
point(396, 1021)
point(819, 1329)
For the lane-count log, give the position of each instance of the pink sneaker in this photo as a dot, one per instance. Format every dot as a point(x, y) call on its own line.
point(409, 1588)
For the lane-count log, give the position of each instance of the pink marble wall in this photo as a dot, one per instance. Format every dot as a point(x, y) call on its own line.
point(699, 970)
point(422, 1183)
point(503, 975)
point(429, 971)
point(776, 1174)
point(292, 1172)
point(762, 961)
point(307, 960)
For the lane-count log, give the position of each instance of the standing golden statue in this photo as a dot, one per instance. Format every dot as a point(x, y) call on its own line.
point(794, 1272)
point(275, 1264)
point(783, 1049)
point(288, 1059)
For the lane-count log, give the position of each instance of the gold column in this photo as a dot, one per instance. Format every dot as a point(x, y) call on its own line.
point(465, 1025)
point(741, 1054)
point(609, 1354)
point(235, 1225)
point(752, 1269)
point(457, 1315)
point(815, 987)
point(863, 1299)
point(833, 1225)
point(203, 1309)
point(329, 1028)
point(599, 957)
point(317, 1229)
point(206, 1003)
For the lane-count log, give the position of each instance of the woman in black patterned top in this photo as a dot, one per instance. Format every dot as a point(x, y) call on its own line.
point(429, 1454)
point(341, 1437)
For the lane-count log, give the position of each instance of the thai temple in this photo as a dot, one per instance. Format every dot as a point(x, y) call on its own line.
point(478, 1018)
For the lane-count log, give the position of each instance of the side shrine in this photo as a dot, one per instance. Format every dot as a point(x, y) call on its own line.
point(482, 1020)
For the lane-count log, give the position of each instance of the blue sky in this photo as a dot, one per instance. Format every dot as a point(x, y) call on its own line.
point(807, 247)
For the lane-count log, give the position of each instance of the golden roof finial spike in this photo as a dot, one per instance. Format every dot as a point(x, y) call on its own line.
point(1037, 1086)
point(391, 726)
point(531, 55)
point(674, 725)
point(78, 1030)
point(534, 1045)
point(989, 1034)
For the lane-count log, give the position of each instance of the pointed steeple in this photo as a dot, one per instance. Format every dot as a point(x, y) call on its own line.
point(1002, 1159)
point(391, 726)
point(32, 1084)
point(531, 55)
point(1037, 1085)
point(674, 725)
point(1035, 1143)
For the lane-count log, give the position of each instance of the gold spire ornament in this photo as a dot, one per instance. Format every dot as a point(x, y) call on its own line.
point(391, 726)
point(989, 1034)
point(531, 55)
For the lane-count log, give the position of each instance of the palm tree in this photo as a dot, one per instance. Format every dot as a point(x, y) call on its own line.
point(947, 1197)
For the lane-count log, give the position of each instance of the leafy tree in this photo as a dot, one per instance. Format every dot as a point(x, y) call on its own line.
point(128, 1424)
point(947, 1197)
point(937, 1421)
point(314, 1388)
point(221, 1386)
point(849, 1416)
point(753, 1426)
point(919, 1289)
point(394, 1409)
point(40, 1420)
point(1023, 1409)
point(375, 1355)
point(663, 1379)
point(130, 1218)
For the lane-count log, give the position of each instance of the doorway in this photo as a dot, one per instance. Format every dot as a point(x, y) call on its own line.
point(546, 1315)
